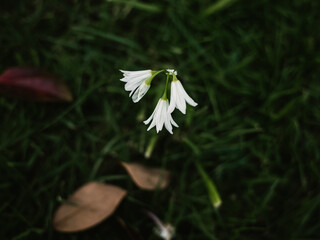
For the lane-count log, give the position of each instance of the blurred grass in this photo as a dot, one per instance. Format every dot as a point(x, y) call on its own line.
point(253, 67)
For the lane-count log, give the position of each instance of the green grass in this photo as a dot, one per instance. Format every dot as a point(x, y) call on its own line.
point(253, 67)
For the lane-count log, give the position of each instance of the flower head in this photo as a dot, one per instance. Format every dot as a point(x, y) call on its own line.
point(137, 82)
point(161, 116)
point(165, 231)
point(179, 97)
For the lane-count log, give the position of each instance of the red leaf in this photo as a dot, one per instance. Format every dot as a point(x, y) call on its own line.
point(33, 85)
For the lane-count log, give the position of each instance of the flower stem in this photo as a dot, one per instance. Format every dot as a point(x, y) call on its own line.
point(164, 96)
point(151, 146)
point(212, 190)
point(174, 77)
point(154, 73)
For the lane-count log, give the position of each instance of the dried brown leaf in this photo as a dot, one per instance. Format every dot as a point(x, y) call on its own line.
point(87, 207)
point(147, 178)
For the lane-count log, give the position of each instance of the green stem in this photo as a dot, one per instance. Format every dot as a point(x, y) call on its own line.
point(174, 77)
point(151, 146)
point(154, 73)
point(164, 96)
point(212, 190)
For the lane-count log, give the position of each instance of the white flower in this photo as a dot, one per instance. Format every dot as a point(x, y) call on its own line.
point(165, 231)
point(161, 116)
point(179, 97)
point(137, 83)
point(170, 71)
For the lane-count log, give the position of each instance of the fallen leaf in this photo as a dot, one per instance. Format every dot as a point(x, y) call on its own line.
point(147, 178)
point(87, 207)
point(33, 85)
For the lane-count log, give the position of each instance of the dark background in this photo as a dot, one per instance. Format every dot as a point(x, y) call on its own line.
point(253, 68)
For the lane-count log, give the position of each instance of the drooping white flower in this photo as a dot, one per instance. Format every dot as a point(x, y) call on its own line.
point(179, 97)
point(165, 231)
point(137, 82)
point(161, 116)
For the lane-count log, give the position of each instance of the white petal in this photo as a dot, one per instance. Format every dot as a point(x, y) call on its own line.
point(159, 116)
point(173, 122)
point(129, 86)
point(153, 123)
point(132, 92)
point(180, 103)
point(143, 89)
point(164, 113)
point(190, 101)
point(186, 96)
point(168, 125)
point(167, 122)
point(131, 73)
point(136, 78)
point(152, 115)
point(146, 122)
point(173, 97)
point(133, 81)
point(155, 116)
point(135, 96)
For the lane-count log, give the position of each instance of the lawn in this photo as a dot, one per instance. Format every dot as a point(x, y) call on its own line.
point(253, 67)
